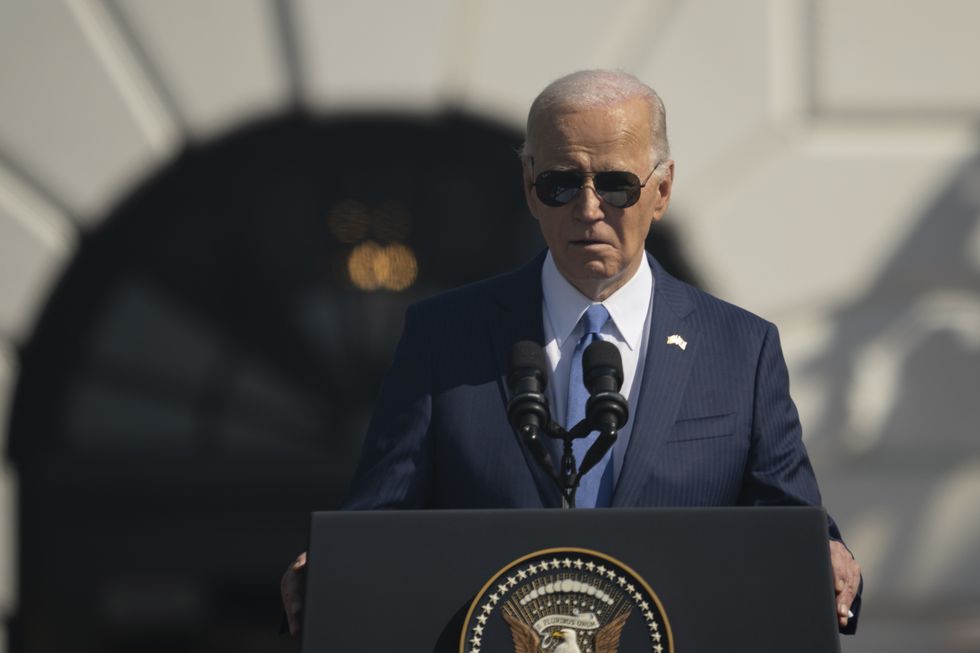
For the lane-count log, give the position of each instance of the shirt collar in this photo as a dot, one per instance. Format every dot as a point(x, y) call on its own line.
point(628, 306)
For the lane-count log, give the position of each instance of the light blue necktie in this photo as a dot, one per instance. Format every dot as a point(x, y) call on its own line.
point(595, 489)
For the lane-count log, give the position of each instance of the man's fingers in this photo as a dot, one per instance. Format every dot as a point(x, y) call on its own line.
point(844, 601)
point(846, 592)
point(300, 562)
point(851, 583)
point(847, 578)
point(291, 587)
point(294, 616)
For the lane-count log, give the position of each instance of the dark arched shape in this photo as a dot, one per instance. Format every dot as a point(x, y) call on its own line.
point(202, 375)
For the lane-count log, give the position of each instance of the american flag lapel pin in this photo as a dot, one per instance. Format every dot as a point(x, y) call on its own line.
point(677, 340)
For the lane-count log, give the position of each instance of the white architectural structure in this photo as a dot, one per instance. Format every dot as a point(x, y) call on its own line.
point(827, 177)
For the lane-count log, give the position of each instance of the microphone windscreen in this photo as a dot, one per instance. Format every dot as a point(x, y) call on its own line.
point(602, 357)
point(528, 354)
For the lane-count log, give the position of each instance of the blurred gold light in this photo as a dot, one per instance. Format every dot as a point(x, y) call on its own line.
point(372, 266)
point(403, 268)
point(360, 266)
point(349, 221)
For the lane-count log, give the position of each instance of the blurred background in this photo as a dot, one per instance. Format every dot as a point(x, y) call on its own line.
point(213, 214)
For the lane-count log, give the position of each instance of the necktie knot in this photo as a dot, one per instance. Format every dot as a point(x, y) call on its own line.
point(594, 319)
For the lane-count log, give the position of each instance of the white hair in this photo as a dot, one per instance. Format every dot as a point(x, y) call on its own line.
point(587, 89)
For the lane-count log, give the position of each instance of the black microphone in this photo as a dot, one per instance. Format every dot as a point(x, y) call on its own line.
point(607, 410)
point(527, 380)
point(528, 408)
point(602, 371)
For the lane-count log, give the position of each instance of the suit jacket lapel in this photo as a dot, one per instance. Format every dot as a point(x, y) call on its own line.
point(665, 375)
point(519, 318)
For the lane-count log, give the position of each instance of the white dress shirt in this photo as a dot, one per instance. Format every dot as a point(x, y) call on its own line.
point(628, 328)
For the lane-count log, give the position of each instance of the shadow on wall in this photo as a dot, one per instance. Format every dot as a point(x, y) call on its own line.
point(899, 379)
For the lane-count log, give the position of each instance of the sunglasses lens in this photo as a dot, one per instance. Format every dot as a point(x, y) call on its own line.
point(619, 189)
point(557, 187)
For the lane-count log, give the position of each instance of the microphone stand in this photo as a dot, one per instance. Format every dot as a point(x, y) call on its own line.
point(568, 476)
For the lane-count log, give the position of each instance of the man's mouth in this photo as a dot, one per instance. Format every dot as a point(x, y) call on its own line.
point(584, 242)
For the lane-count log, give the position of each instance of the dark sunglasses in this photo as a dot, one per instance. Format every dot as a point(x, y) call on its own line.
point(615, 187)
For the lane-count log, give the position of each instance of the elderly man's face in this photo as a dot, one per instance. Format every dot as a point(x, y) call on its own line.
point(596, 246)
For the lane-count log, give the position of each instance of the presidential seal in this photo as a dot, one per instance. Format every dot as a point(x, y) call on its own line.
point(566, 600)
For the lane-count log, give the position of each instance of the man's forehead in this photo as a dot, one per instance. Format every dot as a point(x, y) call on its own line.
point(612, 114)
point(616, 132)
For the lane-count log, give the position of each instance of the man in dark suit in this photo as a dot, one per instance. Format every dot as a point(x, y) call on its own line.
point(713, 423)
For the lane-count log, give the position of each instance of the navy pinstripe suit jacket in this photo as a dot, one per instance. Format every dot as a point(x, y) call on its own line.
point(714, 424)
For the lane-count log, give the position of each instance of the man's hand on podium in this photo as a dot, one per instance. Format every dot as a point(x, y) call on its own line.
point(291, 587)
point(847, 579)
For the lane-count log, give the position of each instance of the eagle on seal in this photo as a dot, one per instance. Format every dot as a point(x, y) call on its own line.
point(526, 640)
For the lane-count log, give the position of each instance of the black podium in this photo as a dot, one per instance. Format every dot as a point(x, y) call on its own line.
point(700, 580)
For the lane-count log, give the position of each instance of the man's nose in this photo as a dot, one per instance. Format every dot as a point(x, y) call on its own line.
point(588, 204)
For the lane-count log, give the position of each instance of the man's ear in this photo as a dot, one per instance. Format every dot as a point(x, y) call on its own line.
point(664, 188)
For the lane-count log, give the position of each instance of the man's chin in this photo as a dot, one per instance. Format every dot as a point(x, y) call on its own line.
point(594, 278)
point(600, 262)
point(589, 268)
point(599, 271)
